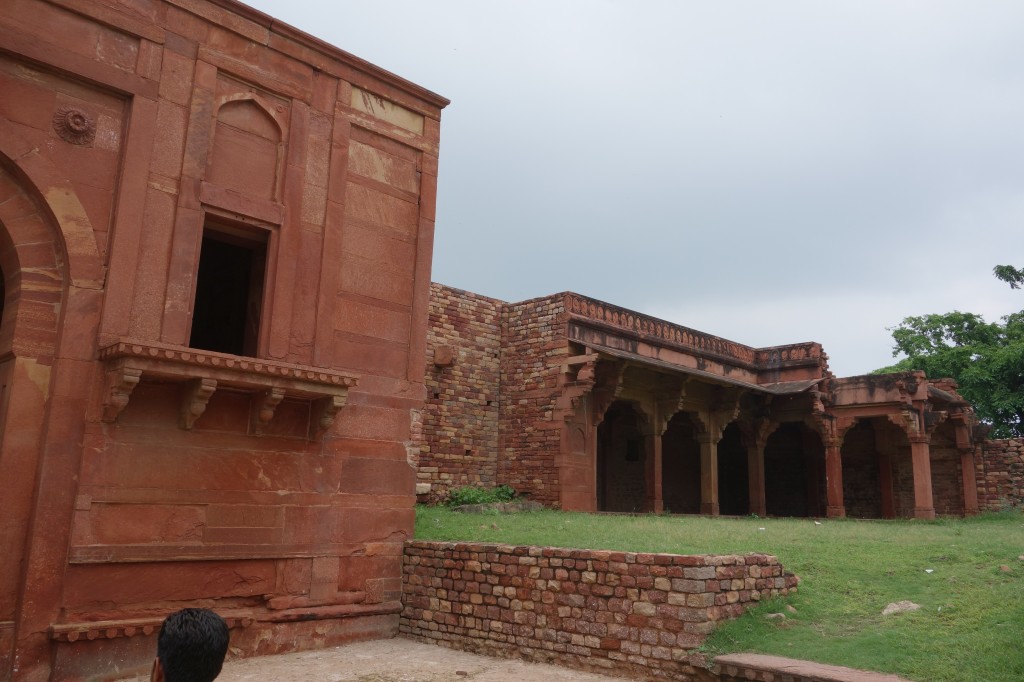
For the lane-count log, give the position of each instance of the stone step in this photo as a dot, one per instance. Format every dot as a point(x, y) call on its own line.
point(763, 668)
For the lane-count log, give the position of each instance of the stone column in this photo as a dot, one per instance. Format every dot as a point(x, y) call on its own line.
point(970, 482)
point(708, 474)
point(924, 505)
point(652, 473)
point(834, 479)
point(755, 478)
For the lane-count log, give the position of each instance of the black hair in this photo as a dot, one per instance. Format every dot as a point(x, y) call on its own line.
point(191, 645)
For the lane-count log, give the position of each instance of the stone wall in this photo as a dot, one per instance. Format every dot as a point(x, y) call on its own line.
point(999, 466)
point(616, 612)
point(460, 419)
point(155, 456)
point(529, 374)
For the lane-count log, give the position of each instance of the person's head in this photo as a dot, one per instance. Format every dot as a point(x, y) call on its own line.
point(191, 647)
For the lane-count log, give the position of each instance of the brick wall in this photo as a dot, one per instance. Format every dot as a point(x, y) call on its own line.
point(487, 419)
point(607, 611)
point(460, 421)
point(999, 466)
point(532, 340)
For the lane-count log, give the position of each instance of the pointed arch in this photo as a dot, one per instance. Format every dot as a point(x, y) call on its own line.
point(57, 198)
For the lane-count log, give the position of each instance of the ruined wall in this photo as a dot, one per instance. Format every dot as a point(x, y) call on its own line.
point(614, 612)
point(947, 474)
point(460, 418)
point(272, 482)
point(533, 334)
point(999, 466)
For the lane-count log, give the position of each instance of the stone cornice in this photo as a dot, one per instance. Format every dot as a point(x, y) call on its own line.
point(636, 324)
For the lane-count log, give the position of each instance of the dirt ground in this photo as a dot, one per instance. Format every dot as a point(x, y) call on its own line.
point(394, 660)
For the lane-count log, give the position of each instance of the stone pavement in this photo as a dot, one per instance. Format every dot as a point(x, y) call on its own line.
point(406, 660)
point(394, 660)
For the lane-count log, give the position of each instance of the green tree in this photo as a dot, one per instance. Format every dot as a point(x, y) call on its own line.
point(985, 358)
point(1010, 275)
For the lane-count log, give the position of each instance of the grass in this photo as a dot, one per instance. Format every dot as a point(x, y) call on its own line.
point(969, 627)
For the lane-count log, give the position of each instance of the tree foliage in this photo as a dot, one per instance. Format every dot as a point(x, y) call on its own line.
point(985, 358)
point(1010, 275)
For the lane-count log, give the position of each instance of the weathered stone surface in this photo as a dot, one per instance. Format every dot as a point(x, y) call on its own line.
point(268, 477)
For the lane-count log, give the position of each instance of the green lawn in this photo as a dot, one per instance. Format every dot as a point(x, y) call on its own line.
point(970, 626)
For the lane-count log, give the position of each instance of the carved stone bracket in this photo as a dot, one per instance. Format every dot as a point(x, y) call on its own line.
point(608, 387)
point(194, 396)
point(668, 404)
point(121, 381)
point(263, 406)
point(725, 410)
point(202, 372)
point(906, 420)
point(323, 413)
point(755, 434)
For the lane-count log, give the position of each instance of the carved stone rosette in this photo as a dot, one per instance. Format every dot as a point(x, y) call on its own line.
point(74, 126)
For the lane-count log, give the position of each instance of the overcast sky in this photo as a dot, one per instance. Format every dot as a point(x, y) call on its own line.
point(770, 172)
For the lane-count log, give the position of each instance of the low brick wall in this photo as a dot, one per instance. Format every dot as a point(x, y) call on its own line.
point(622, 612)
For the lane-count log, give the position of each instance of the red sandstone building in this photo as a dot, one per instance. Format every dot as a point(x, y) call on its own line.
point(215, 242)
point(583, 405)
point(215, 239)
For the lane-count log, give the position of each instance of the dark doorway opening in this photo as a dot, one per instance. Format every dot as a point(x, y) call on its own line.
point(794, 472)
point(229, 291)
point(680, 466)
point(733, 487)
point(621, 458)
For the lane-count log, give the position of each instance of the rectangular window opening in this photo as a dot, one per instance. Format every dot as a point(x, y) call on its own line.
point(229, 290)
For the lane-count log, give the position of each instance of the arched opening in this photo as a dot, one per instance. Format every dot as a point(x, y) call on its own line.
point(878, 476)
point(621, 459)
point(680, 466)
point(794, 478)
point(733, 487)
point(31, 293)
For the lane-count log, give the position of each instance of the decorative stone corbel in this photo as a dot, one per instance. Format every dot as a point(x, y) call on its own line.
point(195, 395)
point(121, 381)
point(608, 387)
point(263, 406)
point(906, 420)
point(324, 411)
point(755, 433)
point(668, 404)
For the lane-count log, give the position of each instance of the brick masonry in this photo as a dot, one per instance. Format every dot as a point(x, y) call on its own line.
point(491, 387)
point(999, 466)
point(531, 340)
point(460, 420)
point(616, 612)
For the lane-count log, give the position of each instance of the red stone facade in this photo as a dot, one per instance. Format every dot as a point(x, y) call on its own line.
point(613, 612)
point(602, 408)
point(215, 243)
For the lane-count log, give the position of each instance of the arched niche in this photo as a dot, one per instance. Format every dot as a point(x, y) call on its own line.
point(246, 153)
